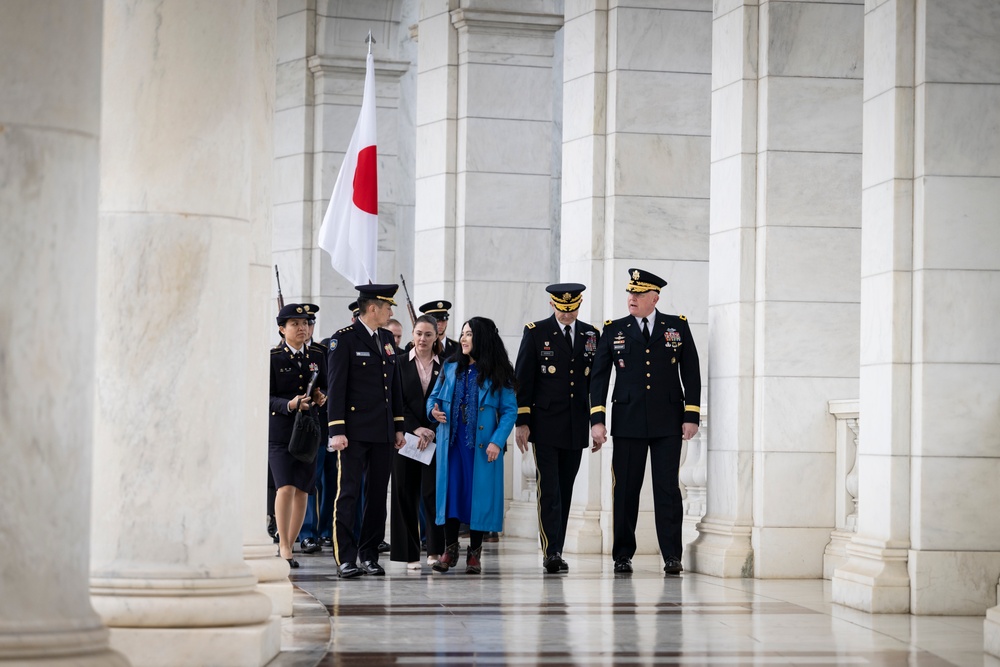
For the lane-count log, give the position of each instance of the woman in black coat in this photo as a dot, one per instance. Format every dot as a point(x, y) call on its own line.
point(412, 480)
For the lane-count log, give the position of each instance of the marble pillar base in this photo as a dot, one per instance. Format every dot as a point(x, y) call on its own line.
point(721, 550)
point(874, 579)
point(583, 532)
point(272, 576)
point(280, 594)
point(645, 534)
point(59, 648)
point(991, 629)
point(835, 554)
point(953, 583)
point(243, 646)
point(521, 519)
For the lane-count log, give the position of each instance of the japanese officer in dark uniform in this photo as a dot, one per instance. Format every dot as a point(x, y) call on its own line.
point(553, 402)
point(656, 404)
point(365, 409)
point(439, 310)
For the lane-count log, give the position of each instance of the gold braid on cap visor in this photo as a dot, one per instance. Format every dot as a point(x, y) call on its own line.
point(567, 305)
point(387, 298)
point(640, 287)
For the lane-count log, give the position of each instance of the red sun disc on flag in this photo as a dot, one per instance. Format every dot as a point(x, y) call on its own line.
point(366, 181)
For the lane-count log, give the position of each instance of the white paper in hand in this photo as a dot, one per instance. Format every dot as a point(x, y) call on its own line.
point(410, 449)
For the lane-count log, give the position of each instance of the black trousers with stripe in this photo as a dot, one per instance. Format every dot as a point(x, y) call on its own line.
point(373, 462)
point(628, 467)
point(556, 470)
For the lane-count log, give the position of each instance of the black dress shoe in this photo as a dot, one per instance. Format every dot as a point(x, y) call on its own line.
point(563, 565)
point(310, 546)
point(672, 565)
point(326, 541)
point(383, 547)
point(292, 563)
point(623, 566)
point(372, 568)
point(349, 571)
point(492, 536)
point(551, 564)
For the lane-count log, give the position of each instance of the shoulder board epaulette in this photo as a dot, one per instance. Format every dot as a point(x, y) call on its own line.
point(607, 322)
point(682, 317)
point(347, 328)
point(275, 350)
point(530, 325)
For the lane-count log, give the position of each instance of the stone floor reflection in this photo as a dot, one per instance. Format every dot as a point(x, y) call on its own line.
point(513, 614)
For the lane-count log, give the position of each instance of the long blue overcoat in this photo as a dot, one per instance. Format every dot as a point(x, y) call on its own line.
point(497, 414)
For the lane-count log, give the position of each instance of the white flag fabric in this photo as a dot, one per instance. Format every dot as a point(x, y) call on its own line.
point(349, 233)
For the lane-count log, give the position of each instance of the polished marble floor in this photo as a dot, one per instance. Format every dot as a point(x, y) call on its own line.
point(514, 614)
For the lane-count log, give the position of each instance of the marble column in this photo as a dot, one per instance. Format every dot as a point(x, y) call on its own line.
point(50, 75)
point(786, 169)
point(258, 548)
point(584, 151)
point(928, 538)
point(635, 178)
point(436, 134)
point(180, 189)
point(723, 544)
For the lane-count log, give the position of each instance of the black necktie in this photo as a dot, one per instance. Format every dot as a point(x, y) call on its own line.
point(645, 329)
point(569, 336)
point(297, 356)
point(378, 343)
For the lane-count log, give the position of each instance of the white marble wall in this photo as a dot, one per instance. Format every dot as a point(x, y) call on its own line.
point(180, 186)
point(50, 74)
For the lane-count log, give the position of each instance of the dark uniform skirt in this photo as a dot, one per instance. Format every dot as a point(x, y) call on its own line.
point(286, 469)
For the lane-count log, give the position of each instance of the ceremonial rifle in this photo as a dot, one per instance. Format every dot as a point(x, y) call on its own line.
point(409, 304)
point(281, 299)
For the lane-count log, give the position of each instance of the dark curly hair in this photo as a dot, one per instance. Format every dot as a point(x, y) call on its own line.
point(489, 353)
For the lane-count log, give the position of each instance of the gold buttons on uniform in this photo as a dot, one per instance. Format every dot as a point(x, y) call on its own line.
point(647, 350)
point(571, 384)
point(647, 375)
point(647, 386)
point(571, 371)
point(273, 413)
point(647, 362)
point(352, 408)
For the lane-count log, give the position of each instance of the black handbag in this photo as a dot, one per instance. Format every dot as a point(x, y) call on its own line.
point(306, 435)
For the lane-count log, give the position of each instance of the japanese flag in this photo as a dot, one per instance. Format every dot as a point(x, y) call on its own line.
point(349, 233)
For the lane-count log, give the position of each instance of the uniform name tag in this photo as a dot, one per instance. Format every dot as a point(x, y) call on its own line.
point(547, 353)
point(619, 346)
point(362, 354)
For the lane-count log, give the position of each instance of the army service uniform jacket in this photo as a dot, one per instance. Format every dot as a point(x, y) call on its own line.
point(657, 385)
point(553, 395)
point(288, 380)
point(365, 401)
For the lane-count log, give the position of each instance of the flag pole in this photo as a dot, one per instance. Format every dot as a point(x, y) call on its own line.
point(369, 41)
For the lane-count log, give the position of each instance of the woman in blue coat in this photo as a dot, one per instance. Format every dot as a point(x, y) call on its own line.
point(475, 407)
